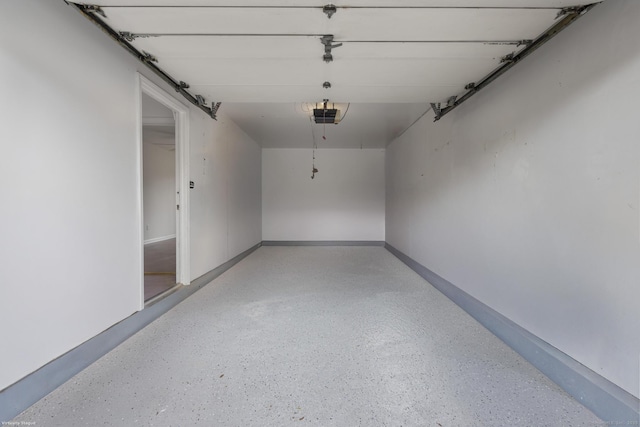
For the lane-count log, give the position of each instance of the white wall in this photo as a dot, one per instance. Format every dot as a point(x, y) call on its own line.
point(159, 190)
point(225, 203)
point(69, 230)
point(345, 200)
point(527, 196)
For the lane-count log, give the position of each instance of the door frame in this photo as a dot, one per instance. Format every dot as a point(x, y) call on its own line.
point(181, 117)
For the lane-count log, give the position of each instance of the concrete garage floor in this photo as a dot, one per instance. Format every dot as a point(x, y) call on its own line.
point(327, 336)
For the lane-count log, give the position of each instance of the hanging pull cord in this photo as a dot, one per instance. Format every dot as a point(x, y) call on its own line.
point(314, 170)
point(324, 122)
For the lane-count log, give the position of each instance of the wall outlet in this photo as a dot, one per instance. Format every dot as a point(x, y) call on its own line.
point(146, 228)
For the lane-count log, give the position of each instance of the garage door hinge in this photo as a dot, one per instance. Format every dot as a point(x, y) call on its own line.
point(91, 8)
point(436, 110)
point(508, 58)
point(131, 36)
point(570, 10)
point(327, 41)
point(516, 43)
point(147, 57)
point(128, 36)
point(202, 103)
point(214, 109)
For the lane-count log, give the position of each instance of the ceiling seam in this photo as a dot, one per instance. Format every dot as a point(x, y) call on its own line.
point(132, 36)
point(321, 7)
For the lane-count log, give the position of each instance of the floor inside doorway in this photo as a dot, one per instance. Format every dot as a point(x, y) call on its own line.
point(159, 267)
point(326, 336)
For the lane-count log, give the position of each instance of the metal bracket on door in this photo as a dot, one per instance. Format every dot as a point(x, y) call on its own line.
point(330, 10)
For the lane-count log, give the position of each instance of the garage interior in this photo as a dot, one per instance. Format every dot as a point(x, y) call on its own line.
point(409, 212)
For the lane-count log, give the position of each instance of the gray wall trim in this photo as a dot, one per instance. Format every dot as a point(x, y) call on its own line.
point(323, 243)
point(601, 396)
point(24, 393)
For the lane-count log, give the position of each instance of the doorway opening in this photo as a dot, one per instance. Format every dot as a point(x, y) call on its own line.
point(158, 197)
point(164, 207)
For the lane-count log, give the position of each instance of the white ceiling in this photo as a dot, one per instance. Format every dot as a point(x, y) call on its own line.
point(287, 125)
point(263, 58)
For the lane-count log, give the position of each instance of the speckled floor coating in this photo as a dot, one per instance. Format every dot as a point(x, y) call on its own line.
point(326, 336)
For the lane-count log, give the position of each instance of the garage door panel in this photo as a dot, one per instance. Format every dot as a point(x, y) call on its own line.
point(293, 94)
point(410, 72)
point(349, 25)
point(259, 93)
point(423, 50)
point(228, 20)
point(441, 24)
point(230, 47)
point(246, 71)
point(347, 72)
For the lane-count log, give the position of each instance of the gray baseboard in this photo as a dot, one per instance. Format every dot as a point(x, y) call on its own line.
point(24, 393)
point(601, 396)
point(323, 243)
